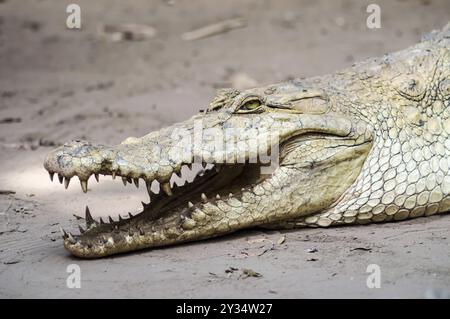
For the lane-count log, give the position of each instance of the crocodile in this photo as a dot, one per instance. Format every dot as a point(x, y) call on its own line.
point(368, 144)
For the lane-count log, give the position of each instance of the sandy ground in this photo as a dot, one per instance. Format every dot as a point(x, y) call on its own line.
point(58, 84)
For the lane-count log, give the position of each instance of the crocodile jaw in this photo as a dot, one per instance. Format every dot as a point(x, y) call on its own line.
point(229, 195)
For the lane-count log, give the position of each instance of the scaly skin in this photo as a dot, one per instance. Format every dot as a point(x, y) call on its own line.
point(367, 144)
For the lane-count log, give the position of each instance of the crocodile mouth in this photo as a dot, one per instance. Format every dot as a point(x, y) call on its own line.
point(173, 208)
point(221, 198)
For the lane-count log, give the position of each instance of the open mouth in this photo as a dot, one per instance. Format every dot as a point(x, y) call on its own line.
point(174, 206)
point(224, 196)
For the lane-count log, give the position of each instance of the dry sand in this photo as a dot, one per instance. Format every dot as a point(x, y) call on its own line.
point(58, 84)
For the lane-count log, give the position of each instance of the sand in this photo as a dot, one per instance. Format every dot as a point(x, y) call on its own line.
point(58, 84)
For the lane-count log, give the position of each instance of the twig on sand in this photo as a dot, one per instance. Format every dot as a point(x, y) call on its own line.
point(214, 29)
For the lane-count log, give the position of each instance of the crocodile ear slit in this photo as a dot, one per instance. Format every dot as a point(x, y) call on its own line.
point(316, 105)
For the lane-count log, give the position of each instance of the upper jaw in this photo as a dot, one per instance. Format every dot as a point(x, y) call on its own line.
point(158, 155)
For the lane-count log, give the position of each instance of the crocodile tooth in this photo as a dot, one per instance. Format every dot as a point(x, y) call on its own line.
point(181, 183)
point(66, 182)
point(136, 182)
point(113, 174)
point(88, 217)
point(124, 181)
point(141, 232)
point(71, 239)
point(97, 177)
point(204, 198)
point(60, 178)
point(158, 186)
point(217, 196)
point(110, 219)
point(84, 185)
point(230, 195)
point(166, 188)
point(190, 204)
point(51, 175)
point(63, 233)
point(81, 229)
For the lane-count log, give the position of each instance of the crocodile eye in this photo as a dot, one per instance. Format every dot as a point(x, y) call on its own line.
point(251, 105)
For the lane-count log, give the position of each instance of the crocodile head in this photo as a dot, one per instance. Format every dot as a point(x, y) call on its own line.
point(317, 152)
